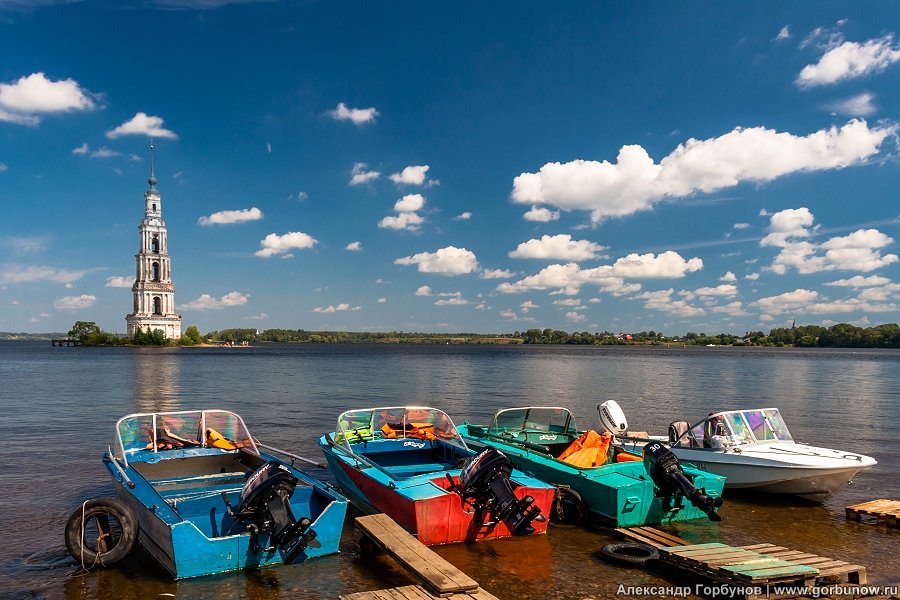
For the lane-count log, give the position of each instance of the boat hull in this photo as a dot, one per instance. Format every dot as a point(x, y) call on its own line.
point(424, 504)
point(793, 469)
point(191, 536)
point(621, 494)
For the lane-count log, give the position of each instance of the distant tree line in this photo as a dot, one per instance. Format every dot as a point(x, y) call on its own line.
point(842, 335)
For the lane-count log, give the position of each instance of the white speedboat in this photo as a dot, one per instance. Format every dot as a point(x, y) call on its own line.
point(754, 450)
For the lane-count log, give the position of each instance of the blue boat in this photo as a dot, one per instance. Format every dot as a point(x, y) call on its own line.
point(410, 463)
point(595, 478)
point(197, 492)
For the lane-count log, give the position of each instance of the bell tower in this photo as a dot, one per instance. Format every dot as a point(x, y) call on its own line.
point(153, 290)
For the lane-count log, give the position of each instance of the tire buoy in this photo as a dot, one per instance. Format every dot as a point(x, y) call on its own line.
point(101, 532)
point(568, 507)
point(629, 553)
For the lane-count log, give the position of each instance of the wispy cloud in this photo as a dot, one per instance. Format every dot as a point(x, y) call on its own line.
point(359, 174)
point(75, 302)
point(119, 282)
point(343, 307)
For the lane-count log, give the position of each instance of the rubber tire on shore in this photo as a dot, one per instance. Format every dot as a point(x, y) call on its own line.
point(568, 507)
point(629, 553)
point(88, 550)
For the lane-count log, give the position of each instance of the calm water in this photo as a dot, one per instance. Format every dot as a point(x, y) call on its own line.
point(60, 405)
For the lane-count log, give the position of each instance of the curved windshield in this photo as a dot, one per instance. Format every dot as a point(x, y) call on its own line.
point(395, 422)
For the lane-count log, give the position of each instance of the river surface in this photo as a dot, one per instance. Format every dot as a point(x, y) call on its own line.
point(59, 406)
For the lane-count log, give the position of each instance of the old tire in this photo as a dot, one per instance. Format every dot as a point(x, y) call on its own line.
point(568, 508)
point(101, 532)
point(629, 553)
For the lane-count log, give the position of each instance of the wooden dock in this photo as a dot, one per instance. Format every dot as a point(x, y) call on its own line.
point(755, 571)
point(440, 578)
point(65, 342)
point(884, 511)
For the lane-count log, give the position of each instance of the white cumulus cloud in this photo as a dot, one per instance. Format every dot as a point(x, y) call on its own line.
point(358, 116)
point(26, 100)
point(540, 214)
point(635, 183)
point(446, 261)
point(228, 217)
point(274, 244)
point(411, 175)
point(407, 218)
point(858, 251)
point(465, 216)
point(142, 124)
point(850, 60)
point(354, 246)
point(207, 302)
point(557, 247)
point(119, 282)
point(75, 302)
point(860, 282)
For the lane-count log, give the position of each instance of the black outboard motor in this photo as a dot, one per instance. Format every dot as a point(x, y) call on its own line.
point(662, 466)
point(265, 508)
point(484, 483)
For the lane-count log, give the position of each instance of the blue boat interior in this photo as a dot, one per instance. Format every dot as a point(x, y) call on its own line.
point(402, 459)
point(193, 485)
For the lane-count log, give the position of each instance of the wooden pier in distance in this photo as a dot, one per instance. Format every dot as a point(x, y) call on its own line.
point(766, 568)
point(440, 578)
point(884, 511)
point(65, 342)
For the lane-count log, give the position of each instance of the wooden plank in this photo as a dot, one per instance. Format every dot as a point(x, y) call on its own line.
point(424, 563)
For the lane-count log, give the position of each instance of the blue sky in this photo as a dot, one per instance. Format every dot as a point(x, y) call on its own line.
point(691, 166)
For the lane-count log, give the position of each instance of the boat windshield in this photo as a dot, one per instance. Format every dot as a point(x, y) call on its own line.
point(741, 427)
point(396, 422)
point(155, 432)
point(552, 419)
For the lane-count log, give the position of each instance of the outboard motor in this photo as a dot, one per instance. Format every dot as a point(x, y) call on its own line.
point(665, 471)
point(265, 508)
point(484, 483)
point(613, 418)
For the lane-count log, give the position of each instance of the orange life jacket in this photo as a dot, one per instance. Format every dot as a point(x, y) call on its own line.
point(422, 431)
point(590, 450)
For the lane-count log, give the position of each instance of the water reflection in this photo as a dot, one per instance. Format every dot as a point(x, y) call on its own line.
point(155, 380)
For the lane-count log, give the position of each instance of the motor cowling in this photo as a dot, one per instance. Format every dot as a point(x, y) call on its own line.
point(485, 483)
point(265, 508)
point(666, 472)
point(612, 417)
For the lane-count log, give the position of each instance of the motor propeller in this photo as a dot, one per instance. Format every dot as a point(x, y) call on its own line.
point(484, 483)
point(663, 467)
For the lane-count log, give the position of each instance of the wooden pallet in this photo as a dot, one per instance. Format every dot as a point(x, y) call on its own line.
point(653, 537)
point(884, 511)
point(437, 574)
point(415, 592)
point(760, 570)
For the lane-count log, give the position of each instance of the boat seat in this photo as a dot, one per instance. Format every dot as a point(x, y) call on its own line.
point(677, 429)
point(417, 469)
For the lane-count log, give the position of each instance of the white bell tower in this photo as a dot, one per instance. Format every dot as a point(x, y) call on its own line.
point(154, 292)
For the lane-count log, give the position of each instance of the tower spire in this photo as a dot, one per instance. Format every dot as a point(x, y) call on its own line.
point(151, 180)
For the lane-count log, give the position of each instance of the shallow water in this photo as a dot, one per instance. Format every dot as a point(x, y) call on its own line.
point(60, 406)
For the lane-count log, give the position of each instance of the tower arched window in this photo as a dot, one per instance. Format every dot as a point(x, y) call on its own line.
point(157, 305)
point(154, 245)
point(154, 208)
point(155, 271)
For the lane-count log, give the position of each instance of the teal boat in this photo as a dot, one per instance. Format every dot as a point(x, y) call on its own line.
point(597, 479)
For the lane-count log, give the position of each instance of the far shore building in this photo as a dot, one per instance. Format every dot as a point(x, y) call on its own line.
point(153, 290)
